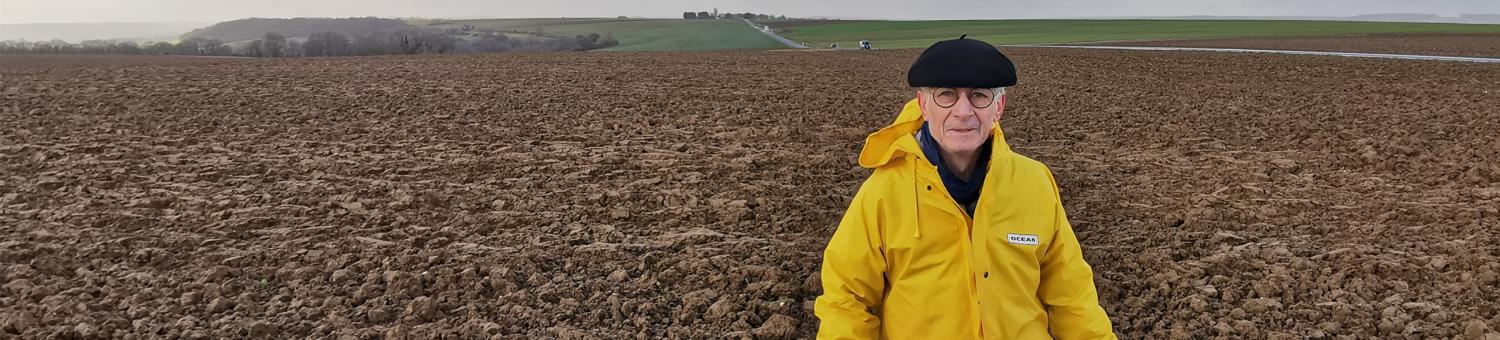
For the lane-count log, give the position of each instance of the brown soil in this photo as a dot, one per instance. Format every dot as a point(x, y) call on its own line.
point(1461, 45)
point(689, 195)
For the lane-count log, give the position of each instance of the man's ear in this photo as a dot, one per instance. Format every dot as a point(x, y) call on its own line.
point(921, 104)
point(1000, 108)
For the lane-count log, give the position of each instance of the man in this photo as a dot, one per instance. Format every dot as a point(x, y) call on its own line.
point(954, 236)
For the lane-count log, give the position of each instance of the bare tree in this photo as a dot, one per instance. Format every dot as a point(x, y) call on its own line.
point(293, 49)
point(273, 45)
point(326, 44)
point(253, 49)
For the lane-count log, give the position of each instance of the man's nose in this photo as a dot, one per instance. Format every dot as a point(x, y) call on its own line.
point(964, 108)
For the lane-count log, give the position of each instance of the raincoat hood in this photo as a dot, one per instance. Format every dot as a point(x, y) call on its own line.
point(897, 140)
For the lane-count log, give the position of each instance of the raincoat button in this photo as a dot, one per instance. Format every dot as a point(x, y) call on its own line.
point(929, 188)
point(986, 275)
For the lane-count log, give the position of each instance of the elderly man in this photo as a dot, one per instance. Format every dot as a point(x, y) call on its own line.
point(954, 235)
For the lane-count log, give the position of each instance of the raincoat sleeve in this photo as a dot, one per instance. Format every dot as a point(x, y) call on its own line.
point(853, 274)
point(1067, 287)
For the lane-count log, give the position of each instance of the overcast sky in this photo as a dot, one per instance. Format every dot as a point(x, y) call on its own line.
point(51, 11)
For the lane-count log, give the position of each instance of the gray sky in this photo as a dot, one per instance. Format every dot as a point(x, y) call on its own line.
point(48, 11)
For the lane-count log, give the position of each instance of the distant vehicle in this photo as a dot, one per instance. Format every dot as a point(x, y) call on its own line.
point(864, 44)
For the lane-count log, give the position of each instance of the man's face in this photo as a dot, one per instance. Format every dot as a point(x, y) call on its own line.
point(961, 119)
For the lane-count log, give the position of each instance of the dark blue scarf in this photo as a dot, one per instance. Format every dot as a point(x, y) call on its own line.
point(965, 192)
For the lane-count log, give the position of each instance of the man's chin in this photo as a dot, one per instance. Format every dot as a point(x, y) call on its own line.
point(970, 137)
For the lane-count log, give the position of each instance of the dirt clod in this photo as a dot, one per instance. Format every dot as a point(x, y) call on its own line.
point(777, 327)
point(1475, 329)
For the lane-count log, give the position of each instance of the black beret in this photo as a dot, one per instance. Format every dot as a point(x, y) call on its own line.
point(961, 63)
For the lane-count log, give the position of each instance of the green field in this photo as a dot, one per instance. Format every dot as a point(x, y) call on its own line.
point(917, 34)
point(635, 34)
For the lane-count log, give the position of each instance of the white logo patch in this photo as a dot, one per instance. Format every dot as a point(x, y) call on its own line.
point(1022, 239)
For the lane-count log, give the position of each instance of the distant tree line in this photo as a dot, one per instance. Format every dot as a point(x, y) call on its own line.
point(255, 28)
point(190, 46)
point(746, 15)
point(330, 44)
point(327, 44)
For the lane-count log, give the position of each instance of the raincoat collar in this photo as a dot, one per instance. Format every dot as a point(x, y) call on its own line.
point(899, 140)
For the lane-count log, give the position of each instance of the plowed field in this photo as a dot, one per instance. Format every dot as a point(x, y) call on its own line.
point(689, 195)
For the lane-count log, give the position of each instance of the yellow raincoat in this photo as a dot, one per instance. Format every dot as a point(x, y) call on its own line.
point(908, 263)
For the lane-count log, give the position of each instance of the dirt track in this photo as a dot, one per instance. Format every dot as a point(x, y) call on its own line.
point(1461, 45)
point(689, 195)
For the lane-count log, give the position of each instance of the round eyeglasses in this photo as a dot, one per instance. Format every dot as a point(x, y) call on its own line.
point(946, 97)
